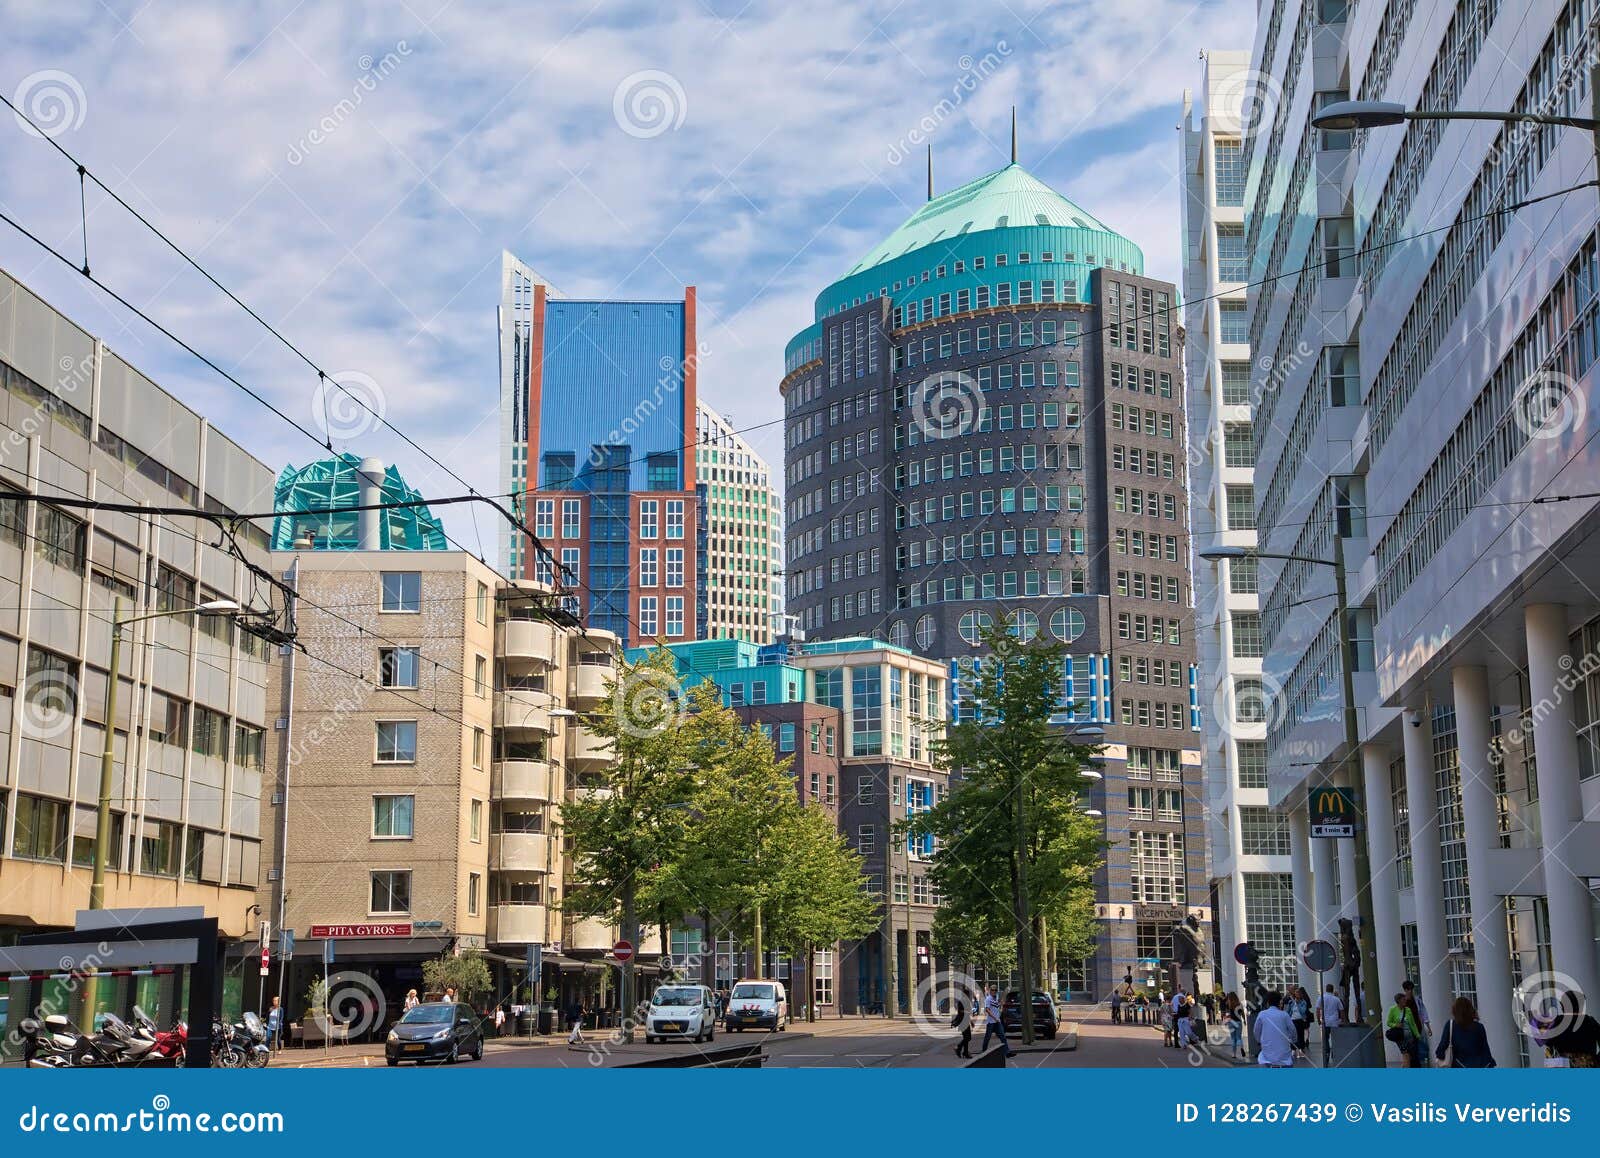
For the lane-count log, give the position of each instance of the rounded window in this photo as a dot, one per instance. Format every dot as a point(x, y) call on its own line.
point(899, 633)
point(973, 625)
point(927, 628)
point(1022, 625)
point(1067, 623)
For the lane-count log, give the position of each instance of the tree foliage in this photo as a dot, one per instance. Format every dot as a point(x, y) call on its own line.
point(1007, 749)
point(467, 973)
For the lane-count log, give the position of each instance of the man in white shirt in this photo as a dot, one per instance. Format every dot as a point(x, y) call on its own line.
point(1330, 1012)
point(1274, 1035)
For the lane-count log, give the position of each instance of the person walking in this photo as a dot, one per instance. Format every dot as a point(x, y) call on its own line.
point(992, 1025)
point(1402, 1027)
point(1464, 1044)
point(1116, 1007)
point(499, 1020)
point(1420, 1009)
point(1330, 1015)
point(1275, 1035)
point(1298, 1007)
point(1235, 1019)
point(411, 1001)
point(963, 1021)
point(275, 1022)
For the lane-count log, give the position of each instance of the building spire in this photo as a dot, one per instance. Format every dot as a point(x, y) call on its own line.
point(1013, 134)
point(930, 170)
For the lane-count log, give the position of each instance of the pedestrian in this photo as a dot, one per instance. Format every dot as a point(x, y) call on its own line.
point(992, 1025)
point(1402, 1027)
point(275, 1022)
point(411, 1001)
point(1116, 1007)
point(1235, 1018)
point(1298, 1007)
point(1186, 1031)
point(575, 1014)
point(1421, 1010)
point(963, 1021)
point(1275, 1035)
point(1464, 1044)
point(499, 1020)
point(1330, 1015)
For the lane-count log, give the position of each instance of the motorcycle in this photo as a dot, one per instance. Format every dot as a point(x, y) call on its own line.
point(171, 1044)
point(252, 1032)
point(55, 1042)
point(227, 1051)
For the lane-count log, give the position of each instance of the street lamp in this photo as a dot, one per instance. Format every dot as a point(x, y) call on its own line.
point(102, 828)
point(1344, 116)
point(1352, 740)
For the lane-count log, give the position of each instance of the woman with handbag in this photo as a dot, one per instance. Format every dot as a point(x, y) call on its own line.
point(1464, 1044)
point(1402, 1027)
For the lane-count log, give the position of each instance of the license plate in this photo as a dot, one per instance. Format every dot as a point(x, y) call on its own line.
point(415, 1048)
point(671, 1027)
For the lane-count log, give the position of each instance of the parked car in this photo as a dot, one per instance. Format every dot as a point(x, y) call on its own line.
point(756, 1004)
point(1046, 1018)
point(444, 1031)
point(681, 1011)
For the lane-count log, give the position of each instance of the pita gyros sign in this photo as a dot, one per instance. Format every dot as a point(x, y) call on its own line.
point(342, 932)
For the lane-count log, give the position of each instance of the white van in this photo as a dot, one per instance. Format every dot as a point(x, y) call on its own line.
point(757, 1004)
point(681, 1011)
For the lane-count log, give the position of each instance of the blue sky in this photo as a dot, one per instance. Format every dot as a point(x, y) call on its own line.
point(354, 170)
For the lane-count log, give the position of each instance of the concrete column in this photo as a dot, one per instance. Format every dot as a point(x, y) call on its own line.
point(1491, 953)
point(1238, 928)
point(1427, 866)
point(1378, 816)
point(1324, 869)
point(1305, 923)
point(1572, 949)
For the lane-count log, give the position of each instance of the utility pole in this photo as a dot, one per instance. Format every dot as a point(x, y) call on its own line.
point(1024, 923)
point(102, 824)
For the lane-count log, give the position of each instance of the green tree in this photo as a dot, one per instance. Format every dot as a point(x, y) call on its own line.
point(467, 973)
point(1013, 846)
point(634, 827)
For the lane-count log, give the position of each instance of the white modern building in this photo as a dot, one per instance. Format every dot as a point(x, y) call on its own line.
point(744, 534)
point(1424, 338)
point(1250, 883)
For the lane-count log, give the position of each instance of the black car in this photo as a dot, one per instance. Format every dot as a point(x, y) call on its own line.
point(1046, 1021)
point(444, 1031)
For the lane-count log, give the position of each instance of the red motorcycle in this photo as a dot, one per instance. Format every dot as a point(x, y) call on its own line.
point(170, 1044)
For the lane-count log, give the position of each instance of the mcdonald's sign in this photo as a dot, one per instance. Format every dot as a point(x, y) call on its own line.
point(1333, 811)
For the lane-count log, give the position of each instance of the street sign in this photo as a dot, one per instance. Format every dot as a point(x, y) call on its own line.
point(1244, 953)
point(286, 948)
point(266, 960)
point(623, 951)
point(1319, 956)
point(535, 964)
point(1333, 811)
point(323, 932)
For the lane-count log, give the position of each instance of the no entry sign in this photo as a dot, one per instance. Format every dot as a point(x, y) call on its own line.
point(623, 951)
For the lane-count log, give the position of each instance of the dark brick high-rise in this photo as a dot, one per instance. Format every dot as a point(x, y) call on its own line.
point(985, 423)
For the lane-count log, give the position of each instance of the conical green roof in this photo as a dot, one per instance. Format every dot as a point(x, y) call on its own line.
point(1005, 198)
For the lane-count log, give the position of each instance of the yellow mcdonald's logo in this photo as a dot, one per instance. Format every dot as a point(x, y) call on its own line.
point(1332, 803)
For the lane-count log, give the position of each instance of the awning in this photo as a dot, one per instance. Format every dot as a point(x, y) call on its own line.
point(374, 948)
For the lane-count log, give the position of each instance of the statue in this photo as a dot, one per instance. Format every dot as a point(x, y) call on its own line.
point(1350, 971)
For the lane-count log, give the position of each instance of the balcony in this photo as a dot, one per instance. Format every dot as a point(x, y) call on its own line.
point(529, 640)
point(524, 710)
point(590, 934)
point(519, 852)
point(589, 681)
point(588, 748)
point(514, 924)
point(523, 779)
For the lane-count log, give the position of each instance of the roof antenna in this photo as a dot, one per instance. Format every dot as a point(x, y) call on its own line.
point(930, 170)
point(1013, 134)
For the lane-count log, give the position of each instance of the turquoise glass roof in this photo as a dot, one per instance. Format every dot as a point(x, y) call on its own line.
point(334, 482)
point(1006, 198)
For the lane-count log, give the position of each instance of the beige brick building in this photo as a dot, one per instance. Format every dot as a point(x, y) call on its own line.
point(421, 801)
